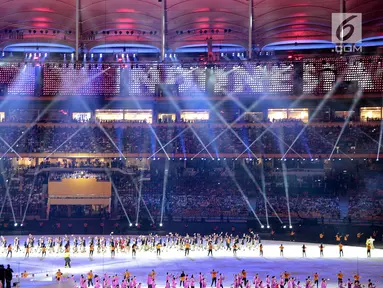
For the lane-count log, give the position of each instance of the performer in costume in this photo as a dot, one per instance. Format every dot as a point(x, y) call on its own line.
point(369, 246)
point(371, 242)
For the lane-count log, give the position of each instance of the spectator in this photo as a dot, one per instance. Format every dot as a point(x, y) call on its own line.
point(2, 275)
point(8, 276)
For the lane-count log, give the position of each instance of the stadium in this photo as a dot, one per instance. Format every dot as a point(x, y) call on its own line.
point(169, 143)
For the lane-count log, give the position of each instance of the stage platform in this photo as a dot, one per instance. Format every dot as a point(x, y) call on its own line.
point(173, 261)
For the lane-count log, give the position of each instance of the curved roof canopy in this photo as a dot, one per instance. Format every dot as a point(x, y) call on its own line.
point(189, 22)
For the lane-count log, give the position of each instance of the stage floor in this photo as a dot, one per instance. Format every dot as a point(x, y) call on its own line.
point(172, 261)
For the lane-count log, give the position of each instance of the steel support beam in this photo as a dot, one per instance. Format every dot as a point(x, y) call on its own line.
point(77, 27)
point(163, 30)
point(250, 44)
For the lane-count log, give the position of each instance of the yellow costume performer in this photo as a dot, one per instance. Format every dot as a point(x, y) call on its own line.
point(371, 242)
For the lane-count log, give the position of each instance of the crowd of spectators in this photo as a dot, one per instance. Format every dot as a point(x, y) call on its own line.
point(313, 140)
point(186, 199)
point(207, 191)
point(25, 192)
point(304, 206)
point(58, 176)
point(216, 200)
point(366, 207)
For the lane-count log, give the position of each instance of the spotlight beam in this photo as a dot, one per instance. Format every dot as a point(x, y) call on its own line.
point(286, 184)
point(14, 86)
point(9, 198)
point(380, 139)
point(117, 194)
point(230, 128)
point(174, 103)
point(356, 100)
point(63, 143)
point(6, 143)
point(200, 140)
point(245, 198)
point(139, 191)
point(324, 139)
point(169, 142)
point(87, 124)
point(29, 196)
point(166, 174)
point(29, 128)
point(110, 138)
point(252, 106)
point(365, 134)
point(264, 193)
point(320, 106)
point(158, 140)
point(260, 136)
point(146, 207)
point(44, 111)
point(268, 129)
point(261, 191)
point(107, 171)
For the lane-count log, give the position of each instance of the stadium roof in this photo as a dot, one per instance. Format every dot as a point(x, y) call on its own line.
point(132, 22)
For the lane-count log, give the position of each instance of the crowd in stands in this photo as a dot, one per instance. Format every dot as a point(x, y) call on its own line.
point(89, 163)
point(58, 176)
point(25, 193)
point(313, 140)
point(300, 207)
point(366, 207)
point(207, 191)
point(186, 199)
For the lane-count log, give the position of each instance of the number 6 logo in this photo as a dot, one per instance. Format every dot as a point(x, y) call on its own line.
point(343, 26)
point(346, 28)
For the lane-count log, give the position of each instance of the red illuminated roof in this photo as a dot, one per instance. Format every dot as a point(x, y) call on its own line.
point(139, 21)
